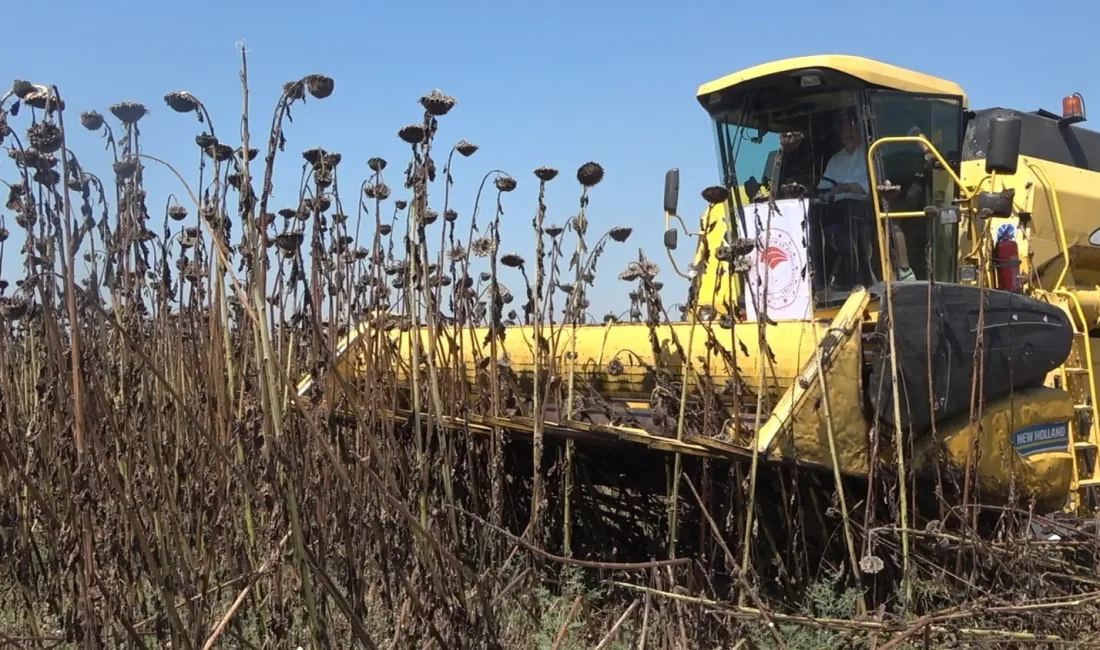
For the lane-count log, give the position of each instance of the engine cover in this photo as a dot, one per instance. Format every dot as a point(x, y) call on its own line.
point(1024, 340)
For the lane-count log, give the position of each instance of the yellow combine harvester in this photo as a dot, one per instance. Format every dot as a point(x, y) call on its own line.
point(989, 221)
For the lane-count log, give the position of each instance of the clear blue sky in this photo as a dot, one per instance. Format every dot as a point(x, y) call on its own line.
point(539, 83)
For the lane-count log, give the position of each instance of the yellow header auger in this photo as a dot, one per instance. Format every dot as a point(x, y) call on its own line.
point(785, 353)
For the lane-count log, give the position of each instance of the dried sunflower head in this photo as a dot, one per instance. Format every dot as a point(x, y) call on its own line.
point(385, 229)
point(319, 85)
point(322, 177)
point(450, 215)
point(206, 141)
point(505, 183)
point(436, 103)
point(871, 564)
point(546, 173)
point(181, 101)
point(483, 247)
point(91, 120)
point(25, 158)
point(412, 133)
point(289, 241)
point(4, 234)
point(48, 177)
point(44, 136)
point(128, 112)
point(177, 212)
point(742, 246)
point(376, 164)
point(400, 204)
point(220, 152)
point(379, 191)
point(76, 184)
point(252, 153)
point(430, 217)
point(189, 237)
point(332, 159)
point(512, 260)
point(13, 309)
point(590, 174)
point(313, 156)
point(620, 233)
point(21, 88)
point(288, 213)
point(42, 98)
point(466, 148)
point(716, 194)
point(26, 219)
point(554, 230)
point(457, 254)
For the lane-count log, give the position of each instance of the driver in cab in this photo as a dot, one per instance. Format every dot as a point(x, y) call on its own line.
point(850, 215)
point(848, 167)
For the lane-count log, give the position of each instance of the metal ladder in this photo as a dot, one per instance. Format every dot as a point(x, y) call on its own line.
point(1084, 427)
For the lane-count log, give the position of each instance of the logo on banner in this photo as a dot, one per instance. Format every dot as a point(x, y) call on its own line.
point(783, 260)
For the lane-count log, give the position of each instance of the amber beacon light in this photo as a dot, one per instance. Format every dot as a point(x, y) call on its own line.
point(1073, 109)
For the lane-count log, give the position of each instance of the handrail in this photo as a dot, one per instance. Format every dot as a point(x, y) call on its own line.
point(879, 214)
point(1036, 169)
point(921, 140)
point(1071, 297)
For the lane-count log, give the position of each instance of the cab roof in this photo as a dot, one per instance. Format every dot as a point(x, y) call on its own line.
point(873, 72)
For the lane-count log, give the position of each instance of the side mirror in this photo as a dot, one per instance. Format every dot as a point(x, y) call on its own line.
point(1003, 152)
point(672, 191)
point(670, 239)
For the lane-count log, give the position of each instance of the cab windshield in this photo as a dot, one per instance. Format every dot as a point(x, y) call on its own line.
point(828, 166)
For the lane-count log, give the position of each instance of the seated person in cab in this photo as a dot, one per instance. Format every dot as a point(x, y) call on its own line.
point(847, 167)
point(848, 218)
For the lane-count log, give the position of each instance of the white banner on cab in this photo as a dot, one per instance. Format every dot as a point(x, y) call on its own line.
point(782, 255)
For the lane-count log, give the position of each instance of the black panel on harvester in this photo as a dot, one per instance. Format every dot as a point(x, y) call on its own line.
point(1024, 340)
